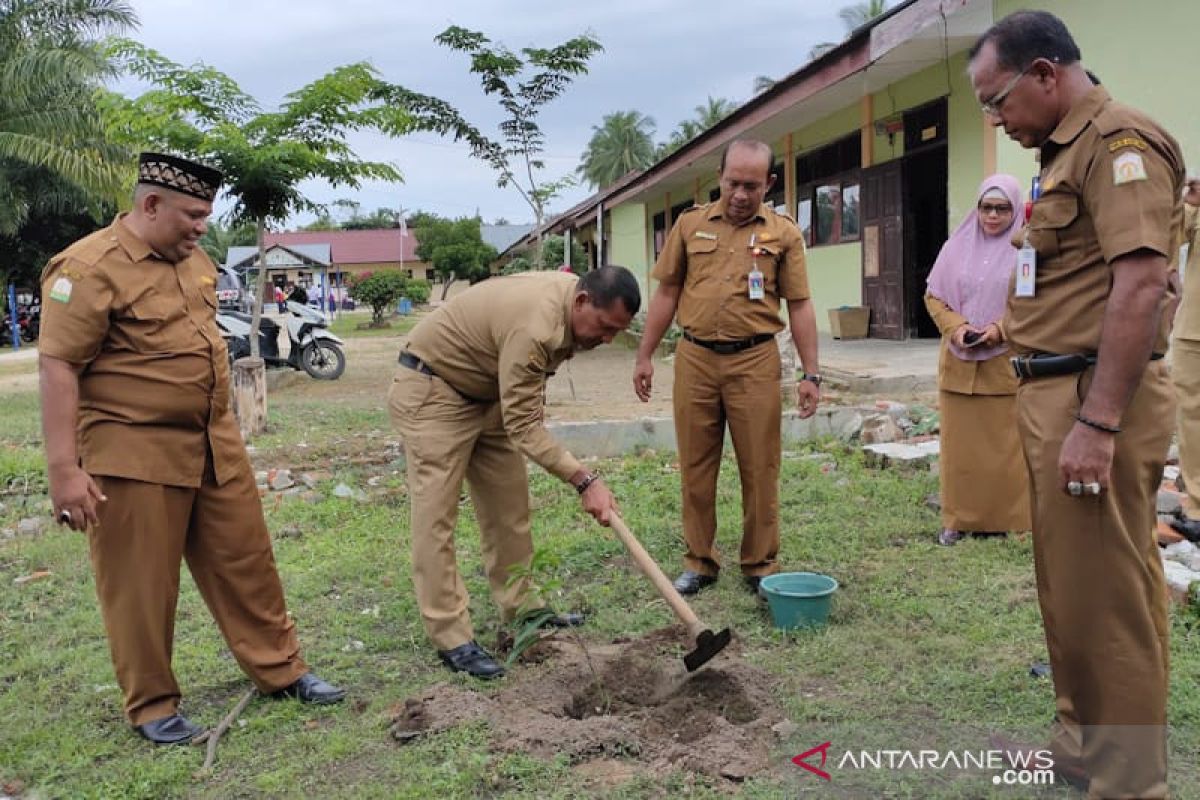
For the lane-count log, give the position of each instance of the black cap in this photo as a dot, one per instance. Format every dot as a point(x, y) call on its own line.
point(179, 174)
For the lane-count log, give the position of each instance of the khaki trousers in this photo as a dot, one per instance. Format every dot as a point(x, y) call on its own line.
point(144, 531)
point(1101, 587)
point(448, 438)
point(1185, 372)
point(740, 390)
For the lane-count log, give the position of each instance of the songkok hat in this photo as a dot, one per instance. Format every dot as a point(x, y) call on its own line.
point(178, 174)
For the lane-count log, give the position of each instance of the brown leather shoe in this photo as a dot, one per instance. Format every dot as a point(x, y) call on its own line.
point(1021, 756)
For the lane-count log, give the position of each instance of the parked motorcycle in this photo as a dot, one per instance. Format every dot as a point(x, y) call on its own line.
point(312, 347)
point(29, 320)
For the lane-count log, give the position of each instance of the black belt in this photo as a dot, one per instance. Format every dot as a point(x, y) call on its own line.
point(728, 346)
point(407, 359)
point(1044, 365)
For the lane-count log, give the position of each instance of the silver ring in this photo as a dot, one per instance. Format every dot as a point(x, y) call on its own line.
point(64, 516)
point(1075, 488)
point(1092, 488)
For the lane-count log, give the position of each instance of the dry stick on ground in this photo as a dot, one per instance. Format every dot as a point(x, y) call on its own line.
point(214, 736)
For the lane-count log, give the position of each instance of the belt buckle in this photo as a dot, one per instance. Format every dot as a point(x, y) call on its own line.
point(725, 348)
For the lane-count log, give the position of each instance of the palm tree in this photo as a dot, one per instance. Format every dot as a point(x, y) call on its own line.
point(51, 62)
point(620, 144)
point(853, 17)
point(713, 110)
point(762, 83)
point(859, 14)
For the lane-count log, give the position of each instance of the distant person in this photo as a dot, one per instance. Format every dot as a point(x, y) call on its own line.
point(985, 487)
point(1185, 368)
point(144, 454)
point(723, 274)
point(468, 401)
point(280, 299)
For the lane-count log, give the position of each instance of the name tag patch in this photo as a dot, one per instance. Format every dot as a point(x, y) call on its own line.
point(1127, 168)
point(705, 235)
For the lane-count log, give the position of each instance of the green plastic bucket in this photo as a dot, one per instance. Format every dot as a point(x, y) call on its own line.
point(798, 599)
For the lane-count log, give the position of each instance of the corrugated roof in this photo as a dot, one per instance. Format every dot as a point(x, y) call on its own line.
point(246, 255)
point(355, 247)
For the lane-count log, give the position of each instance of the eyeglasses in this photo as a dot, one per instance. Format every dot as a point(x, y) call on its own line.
point(1000, 209)
point(992, 107)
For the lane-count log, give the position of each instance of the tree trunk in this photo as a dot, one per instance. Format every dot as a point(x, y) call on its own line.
point(446, 286)
point(250, 374)
point(250, 395)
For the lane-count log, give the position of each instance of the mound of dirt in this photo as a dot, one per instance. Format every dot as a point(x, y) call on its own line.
point(613, 709)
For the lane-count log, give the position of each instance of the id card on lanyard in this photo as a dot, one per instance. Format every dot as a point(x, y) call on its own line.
point(1026, 284)
point(755, 289)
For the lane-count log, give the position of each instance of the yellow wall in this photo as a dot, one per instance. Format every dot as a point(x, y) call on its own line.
point(627, 239)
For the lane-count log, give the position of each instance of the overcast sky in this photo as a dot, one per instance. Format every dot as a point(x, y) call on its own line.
point(661, 57)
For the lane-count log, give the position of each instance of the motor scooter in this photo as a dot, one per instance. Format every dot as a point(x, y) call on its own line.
point(313, 348)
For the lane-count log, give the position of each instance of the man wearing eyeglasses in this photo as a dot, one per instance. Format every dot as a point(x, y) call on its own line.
point(1185, 367)
point(1095, 403)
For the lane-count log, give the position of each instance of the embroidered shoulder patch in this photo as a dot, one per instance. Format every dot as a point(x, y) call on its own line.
point(61, 290)
point(1127, 168)
point(1127, 141)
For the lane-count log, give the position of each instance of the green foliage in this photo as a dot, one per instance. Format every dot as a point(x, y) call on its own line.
point(60, 214)
point(522, 86)
point(552, 257)
point(54, 155)
point(417, 290)
point(707, 114)
point(621, 143)
point(454, 248)
point(379, 290)
point(518, 264)
point(200, 112)
point(219, 237)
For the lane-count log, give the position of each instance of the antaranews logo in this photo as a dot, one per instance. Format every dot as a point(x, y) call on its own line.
point(1034, 768)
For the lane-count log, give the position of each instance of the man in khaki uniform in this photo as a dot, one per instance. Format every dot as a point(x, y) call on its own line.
point(1095, 402)
point(1185, 367)
point(143, 452)
point(724, 269)
point(468, 401)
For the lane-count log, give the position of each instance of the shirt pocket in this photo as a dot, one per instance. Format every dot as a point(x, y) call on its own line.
point(153, 319)
point(703, 263)
point(767, 261)
point(1052, 215)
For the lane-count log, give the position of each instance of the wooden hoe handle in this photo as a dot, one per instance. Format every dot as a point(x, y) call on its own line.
point(652, 571)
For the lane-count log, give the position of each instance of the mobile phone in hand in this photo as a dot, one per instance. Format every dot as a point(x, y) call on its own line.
point(972, 338)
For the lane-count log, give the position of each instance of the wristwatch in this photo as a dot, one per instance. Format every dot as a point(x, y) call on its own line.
point(814, 378)
point(586, 481)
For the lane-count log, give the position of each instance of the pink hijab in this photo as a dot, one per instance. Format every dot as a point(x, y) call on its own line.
point(973, 271)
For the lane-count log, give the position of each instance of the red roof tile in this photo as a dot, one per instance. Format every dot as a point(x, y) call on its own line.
point(354, 247)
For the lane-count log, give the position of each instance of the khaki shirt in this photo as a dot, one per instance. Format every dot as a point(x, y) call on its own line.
point(711, 258)
point(154, 390)
point(500, 340)
point(993, 376)
point(1111, 183)
point(1187, 319)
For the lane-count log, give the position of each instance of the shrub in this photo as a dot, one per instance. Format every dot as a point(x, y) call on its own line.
point(379, 290)
point(418, 290)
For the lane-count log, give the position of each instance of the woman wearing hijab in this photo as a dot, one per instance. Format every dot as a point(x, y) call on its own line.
point(984, 482)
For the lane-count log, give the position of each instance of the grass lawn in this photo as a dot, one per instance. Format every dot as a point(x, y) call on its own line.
point(347, 322)
point(928, 647)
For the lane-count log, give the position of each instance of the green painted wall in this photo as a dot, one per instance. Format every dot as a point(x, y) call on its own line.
point(627, 241)
point(1143, 55)
point(835, 278)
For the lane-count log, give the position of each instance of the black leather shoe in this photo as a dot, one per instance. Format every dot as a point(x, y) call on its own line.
point(175, 729)
point(553, 619)
point(691, 582)
point(311, 689)
point(473, 660)
point(1186, 526)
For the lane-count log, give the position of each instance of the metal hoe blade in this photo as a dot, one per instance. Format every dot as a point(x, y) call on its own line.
point(708, 644)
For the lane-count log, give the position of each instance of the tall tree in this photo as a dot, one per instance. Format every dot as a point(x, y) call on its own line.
point(713, 110)
point(219, 237)
point(200, 112)
point(621, 143)
point(762, 83)
point(51, 63)
point(853, 17)
point(522, 84)
point(454, 248)
point(858, 14)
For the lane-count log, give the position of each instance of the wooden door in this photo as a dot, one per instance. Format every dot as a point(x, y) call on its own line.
point(883, 249)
